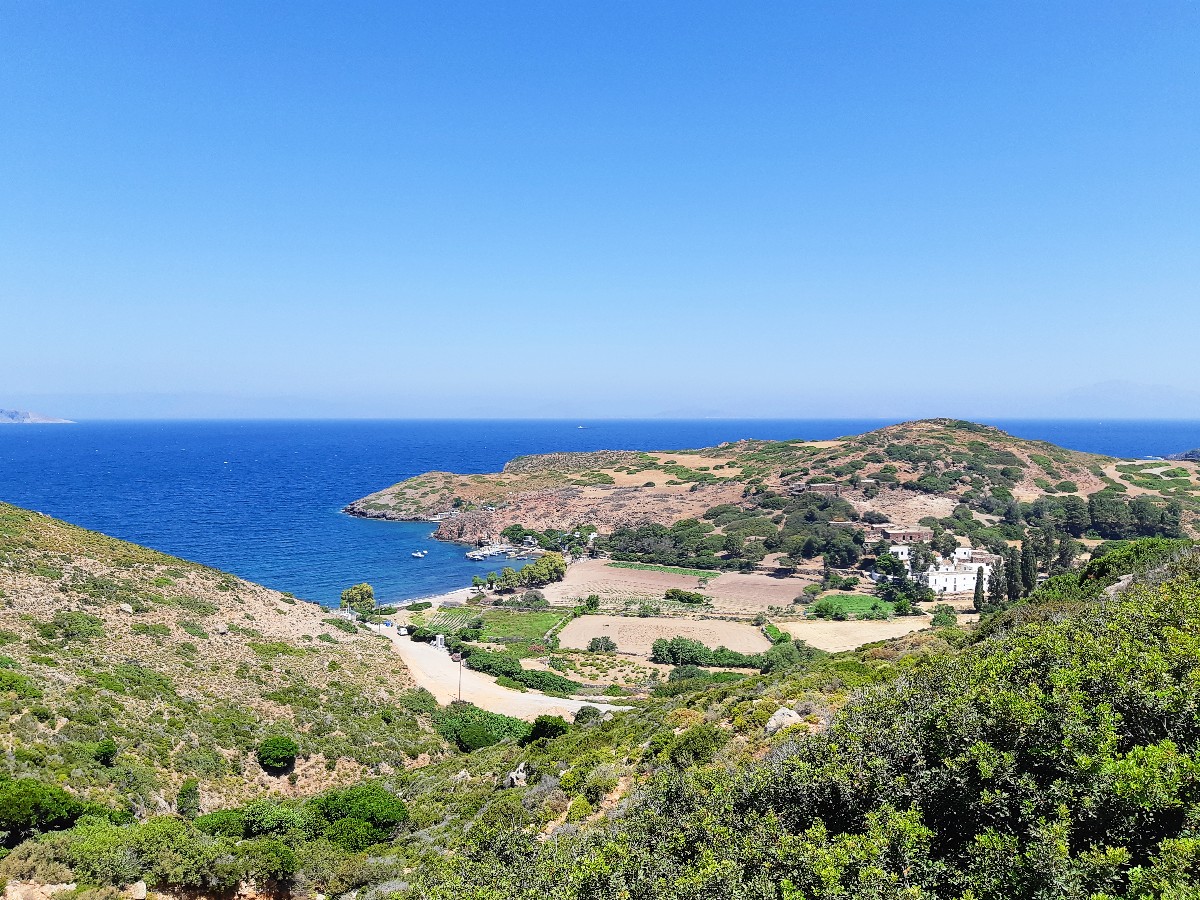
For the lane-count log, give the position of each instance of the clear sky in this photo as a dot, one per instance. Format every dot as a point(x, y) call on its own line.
point(600, 208)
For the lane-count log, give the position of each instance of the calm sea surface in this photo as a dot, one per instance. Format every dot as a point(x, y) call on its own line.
point(263, 499)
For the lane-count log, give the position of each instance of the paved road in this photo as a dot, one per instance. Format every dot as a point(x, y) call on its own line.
point(435, 671)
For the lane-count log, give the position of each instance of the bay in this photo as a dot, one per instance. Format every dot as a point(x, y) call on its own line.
point(263, 499)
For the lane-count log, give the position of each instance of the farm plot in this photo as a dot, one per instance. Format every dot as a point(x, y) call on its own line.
point(732, 593)
point(519, 629)
point(636, 635)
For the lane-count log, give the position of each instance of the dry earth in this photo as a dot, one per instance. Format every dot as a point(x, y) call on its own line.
point(439, 674)
point(635, 635)
point(837, 636)
point(733, 593)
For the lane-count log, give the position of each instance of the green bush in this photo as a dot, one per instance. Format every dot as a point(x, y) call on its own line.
point(602, 644)
point(546, 728)
point(354, 835)
point(28, 806)
point(277, 753)
point(227, 822)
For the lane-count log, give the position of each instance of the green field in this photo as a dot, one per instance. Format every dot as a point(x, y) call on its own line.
point(854, 605)
point(673, 570)
point(499, 625)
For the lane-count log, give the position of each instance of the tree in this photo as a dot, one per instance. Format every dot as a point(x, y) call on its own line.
point(546, 727)
point(277, 753)
point(888, 564)
point(105, 751)
point(1029, 567)
point(28, 806)
point(592, 603)
point(1076, 518)
point(1047, 546)
point(944, 616)
point(997, 586)
point(187, 802)
point(979, 602)
point(1068, 549)
point(360, 598)
point(920, 557)
point(602, 645)
point(1012, 574)
point(946, 543)
point(509, 579)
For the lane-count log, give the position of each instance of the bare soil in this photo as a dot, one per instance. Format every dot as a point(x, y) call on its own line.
point(732, 593)
point(636, 635)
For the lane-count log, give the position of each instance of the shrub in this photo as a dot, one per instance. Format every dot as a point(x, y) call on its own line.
point(697, 745)
point(354, 835)
point(28, 806)
point(682, 596)
point(602, 645)
point(277, 753)
point(368, 802)
point(944, 616)
point(187, 803)
point(588, 714)
point(69, 625)
point(265, 859)
point(546, 728)
point(227, 822)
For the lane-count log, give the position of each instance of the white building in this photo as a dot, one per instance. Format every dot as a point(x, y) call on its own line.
point(969, 556)
point(955, 578)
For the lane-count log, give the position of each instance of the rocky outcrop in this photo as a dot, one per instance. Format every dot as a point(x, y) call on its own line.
point(783, 718)
point(517, 777)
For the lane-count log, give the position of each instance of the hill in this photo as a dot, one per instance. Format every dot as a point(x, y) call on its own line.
point(24, 417)
point(903, 472)
point(1053, 752)
point(125, 673)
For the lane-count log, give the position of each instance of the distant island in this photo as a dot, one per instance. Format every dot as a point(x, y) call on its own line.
point(25, 417)
point(1187, 454)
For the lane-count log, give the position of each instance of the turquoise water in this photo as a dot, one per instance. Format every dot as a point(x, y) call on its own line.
point(263, 499)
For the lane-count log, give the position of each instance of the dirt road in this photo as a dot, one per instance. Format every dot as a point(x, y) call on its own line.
point(435, 671)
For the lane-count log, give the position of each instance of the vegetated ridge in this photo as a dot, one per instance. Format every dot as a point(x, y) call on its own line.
point(126, 673)
point(905, 472)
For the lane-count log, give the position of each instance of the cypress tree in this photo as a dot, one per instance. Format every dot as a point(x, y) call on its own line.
point(978, 602)
point(996, 586)
point(1047, 546)
point(1028, 567)
point(1012, 574)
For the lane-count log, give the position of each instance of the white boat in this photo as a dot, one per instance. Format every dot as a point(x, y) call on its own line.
point(420, 554)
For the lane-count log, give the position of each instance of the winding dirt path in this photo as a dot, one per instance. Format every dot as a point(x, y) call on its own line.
point(435, 671)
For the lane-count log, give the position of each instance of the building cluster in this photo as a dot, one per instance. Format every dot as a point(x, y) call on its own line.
point(954, 574)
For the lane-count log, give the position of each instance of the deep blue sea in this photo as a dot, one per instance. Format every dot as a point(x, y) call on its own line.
point(263, 499)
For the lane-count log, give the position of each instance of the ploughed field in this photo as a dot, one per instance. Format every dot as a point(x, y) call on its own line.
point(732, 593)
point(636, 635)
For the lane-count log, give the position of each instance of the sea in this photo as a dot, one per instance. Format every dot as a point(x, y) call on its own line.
point(264, 499)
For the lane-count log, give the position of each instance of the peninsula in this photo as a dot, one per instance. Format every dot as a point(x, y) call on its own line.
point(903, 473)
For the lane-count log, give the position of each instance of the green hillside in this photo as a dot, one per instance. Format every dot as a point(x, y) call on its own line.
point(1054, 751)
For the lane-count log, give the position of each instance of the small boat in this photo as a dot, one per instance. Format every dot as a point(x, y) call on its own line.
point(420, 554)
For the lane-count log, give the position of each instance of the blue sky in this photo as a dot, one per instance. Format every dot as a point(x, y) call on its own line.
point(600, 209)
